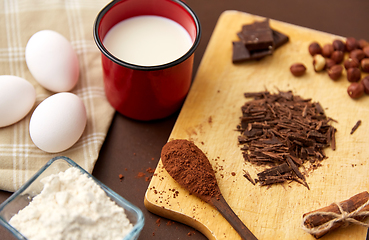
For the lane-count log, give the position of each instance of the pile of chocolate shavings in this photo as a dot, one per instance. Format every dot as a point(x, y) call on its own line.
point(282, 132)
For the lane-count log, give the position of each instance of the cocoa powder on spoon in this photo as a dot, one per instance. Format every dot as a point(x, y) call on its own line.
point(190, 167)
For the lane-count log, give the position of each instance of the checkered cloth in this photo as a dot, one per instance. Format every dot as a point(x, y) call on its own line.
point(19, 20)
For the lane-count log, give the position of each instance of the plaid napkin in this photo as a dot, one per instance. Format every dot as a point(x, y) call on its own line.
point(19, 20)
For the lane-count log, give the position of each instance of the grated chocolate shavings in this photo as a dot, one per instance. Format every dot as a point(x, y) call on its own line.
point(282, 132)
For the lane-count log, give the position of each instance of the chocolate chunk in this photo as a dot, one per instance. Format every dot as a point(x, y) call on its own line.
point(256, 55)
point(241, 54)
point(257, 40)
point(257, 36)
point(256, 25)
point(279, 38)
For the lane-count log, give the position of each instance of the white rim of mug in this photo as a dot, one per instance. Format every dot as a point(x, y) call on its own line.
point(118, 61)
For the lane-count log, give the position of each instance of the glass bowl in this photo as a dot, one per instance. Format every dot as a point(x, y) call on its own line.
point(21, 198)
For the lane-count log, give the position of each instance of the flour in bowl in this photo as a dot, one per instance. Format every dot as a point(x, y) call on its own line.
point(71, 206)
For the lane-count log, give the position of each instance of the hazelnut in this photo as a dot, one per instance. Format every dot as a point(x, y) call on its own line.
point(366, 51)
point(318, 62)
point(351, 63)
point(327, 50)
point(355, 90)
point(363, 43)
point(365, 65)
point(365, 82)
point(351, 44)
point(329, 63)
point(358, 54)
point(298, 69)
point(353, 74)
point(337, 56)
point(315, 48)
point(335, 72)
point(339, 45)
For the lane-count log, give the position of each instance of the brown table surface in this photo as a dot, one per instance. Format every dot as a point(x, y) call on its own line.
point(131, 147)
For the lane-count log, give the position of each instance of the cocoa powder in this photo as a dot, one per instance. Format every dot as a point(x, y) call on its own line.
point(190, 167)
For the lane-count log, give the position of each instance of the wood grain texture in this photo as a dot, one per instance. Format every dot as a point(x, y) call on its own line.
point(211, 113)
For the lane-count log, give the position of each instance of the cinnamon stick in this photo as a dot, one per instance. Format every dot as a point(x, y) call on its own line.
point(320, 217)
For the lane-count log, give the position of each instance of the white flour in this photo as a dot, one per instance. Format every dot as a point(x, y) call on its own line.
point(71, 206)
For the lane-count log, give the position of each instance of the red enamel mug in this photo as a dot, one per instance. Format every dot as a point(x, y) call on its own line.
point(146, 92)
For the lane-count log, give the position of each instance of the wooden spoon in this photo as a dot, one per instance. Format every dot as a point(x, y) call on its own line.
point(190, 167)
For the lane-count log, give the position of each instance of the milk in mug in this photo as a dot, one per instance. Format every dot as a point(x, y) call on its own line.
point(147, 40)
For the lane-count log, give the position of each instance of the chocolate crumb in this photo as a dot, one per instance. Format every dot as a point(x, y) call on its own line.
point(210, 120)
point(356, 126)
point(248, 177)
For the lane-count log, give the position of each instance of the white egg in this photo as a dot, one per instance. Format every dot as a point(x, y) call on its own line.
point(17, 97)
point(52, 61)
point(58, 122)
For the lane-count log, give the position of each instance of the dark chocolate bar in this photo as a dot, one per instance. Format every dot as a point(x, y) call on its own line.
point(279, 38)
point(257, 36)
point(259, 54)
point(256, 25)
point(241, 54)
point(266, 40)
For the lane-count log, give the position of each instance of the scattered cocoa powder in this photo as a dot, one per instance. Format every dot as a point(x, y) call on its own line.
point(170, 223)
point(140, 175)
point(150, 170)
point(158, 222)
point(121, 177)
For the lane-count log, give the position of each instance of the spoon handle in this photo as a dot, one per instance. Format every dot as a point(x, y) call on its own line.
point(222, 206)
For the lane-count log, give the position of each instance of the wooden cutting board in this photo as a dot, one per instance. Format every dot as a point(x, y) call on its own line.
point(211, 113)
